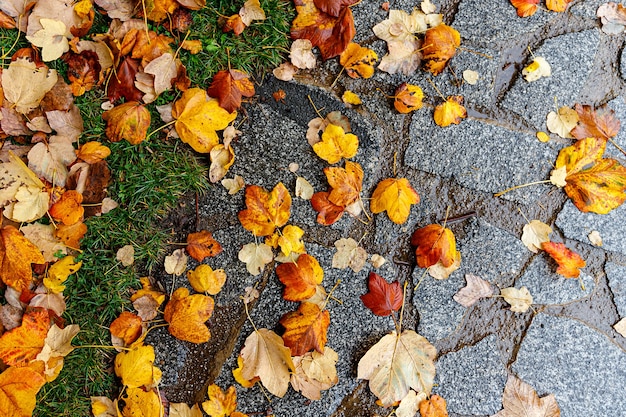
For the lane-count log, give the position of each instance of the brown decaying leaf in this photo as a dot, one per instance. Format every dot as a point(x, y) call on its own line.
point(475, 289)
point(129, 120)
point(440, 43)
point(229, 86)
point(305, 329)
point(235, 24)
point(520, 399)
point(349, 254)
point(333, 7)
point(314, 373)
point(598, 123)
point(201, 245)
point(122, 83)
point(50, 160)
point(83, 71)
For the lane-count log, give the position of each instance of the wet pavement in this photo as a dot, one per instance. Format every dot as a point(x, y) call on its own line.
point(564, 345)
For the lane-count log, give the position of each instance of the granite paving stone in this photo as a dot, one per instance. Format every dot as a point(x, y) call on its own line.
point(616, 274)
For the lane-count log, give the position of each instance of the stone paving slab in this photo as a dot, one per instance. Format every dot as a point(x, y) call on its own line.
point(616, 274)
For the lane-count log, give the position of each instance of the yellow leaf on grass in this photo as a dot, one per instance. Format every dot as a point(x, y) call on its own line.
point(205, 279)
point(16, 256)
point(449, 112)
point(22, 194)
point(394, 195)
point(130, 121)
point(336, 144)
point(358, 61)
point(18, 391)
point(59, 272)
point(136, 367)
point(186, 315)
point(25, 84)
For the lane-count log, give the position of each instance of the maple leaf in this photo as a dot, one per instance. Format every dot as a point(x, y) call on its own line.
point(305, 328)
point(404, 56)
point(186, 315)
point(408, 98)
point(595, 123)
point(569, 262)
point(129, 120)
point(336, 144)
point(68, 209)
point(400, 26)
point(434, 244)
point(435, 406)
point(265, 211)
point(42, 236)
point(16, 256)
point(328, 212)
point(449, 112)
point(562, 122)
point(59, 272)
point(198, 117)
point(139, 402)
point(21, 345)
point(333, 7)
point(346, 183)
point(440, 43)
point(398, 363)
point(525, 8)
point(71, 235)
point(349, 254)
point(520, 399)
point(290, 240)
point(221, 404)
point(300, 278)
point(57, 345)
point(136, 367)
point(534, 234)
point(265, 356)
point(127, 327)
point(475, 289)
point(395, 196)
point(24, 83)
point(594, 184)
point(537, 69)
point(49, 160)
point(255, 257)
point(358, 61)
point(201, 245)
point(331, 34)
point(18, 390)
point(519, 299)
point(51, 39)
point(222, 158)
point(176, 263)
point(229, 86)
point(205, 279)
point(164, 69)
point(382, 298)
point(66, 123)
point(314, 373)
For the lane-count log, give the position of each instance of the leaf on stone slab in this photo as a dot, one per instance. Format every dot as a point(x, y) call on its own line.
point(449, 112)
point(377, 260)
point(50, 160)
point(301, 54)
point(569, 262)
point(265, 211)
point(291, 240)
point(300, 278)
point(408, 98)
point(129, 120)
point(395, 196)
point(439, 271)
point(525, 8)
point(537, 69)
point(562, 122)
point(348, 97)
point(205, 279)
point(440, 43)
point(401, 26)
point(620, 326)
point(358, 61)
point(305, 328)
point(534, 234)
point(596, 123)
point(222, 158)
point(349, 254)
point(233, 185)
point(520, 399)
point(346, 183)
point(613, 17)
point(336, 144)
point(183, 410)
point(22, 344)
point(558, 6)
point(187, 314)
point(315, 372)
point(470, 76)
point(256, 257)
point(139, 402)
point(595, 238)
point(404, 56)
point(25, 84)
point(558, 176)
point(434, 244)
point(519, 299)
point(16, 256)
point(201, 245)
point(176, 263)
point(304, 189)
point(409, 406)
point(382, 298)
point(475, 289)
point(328, 212)
point(435, 406)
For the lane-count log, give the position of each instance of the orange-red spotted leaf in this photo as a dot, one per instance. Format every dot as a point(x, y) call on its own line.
point(229, 86)
point(594, 184)
point(265, 211)
point(18, 391)
point(129, 121)
point(186, 315)
point(595, 123)
point(358, 61)
point(525, 8)
point(300, 278)
point(407, 98)
point(434, 244)
point(383, 298)
point(569, 262)
point(440, 43)
point(346, 183)
point(449, 112)
point(68, 210)
point(16, 256)
point(435, 406)
point(201, 245)
point(327, 212)
point(22, 344)
point(331, 34)
point(305, 329)
point(395, 196)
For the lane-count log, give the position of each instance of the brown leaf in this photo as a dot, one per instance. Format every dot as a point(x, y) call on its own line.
point(83, 71)
point(201, 245)
point(598, 123)
point(122, 83)
point(229, 86)
point(475, 289)
point(520, 399)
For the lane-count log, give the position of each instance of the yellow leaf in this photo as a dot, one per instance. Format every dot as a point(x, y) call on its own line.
point(148, 289)
point(103, 407)
point(186, 315)
point(25, 84)
point(537, 69)
point(408, 97)
point(255, 257)
point(290, 240)
point(349, 97)
point(562, 122)
point(183, 410)
point(16, 256)
point(198, 116)
point(519, 299)
point(451, 111)
point(222, 158)
point(220, 404)
point(265, 211)
point(136, 367)
point(18, 390)
point(59, 272)
point(239, 378)
point(543, 137)
point(205, 279)
point(336, 144)
point(140, 403)
point(358, 60)
point(394, 195)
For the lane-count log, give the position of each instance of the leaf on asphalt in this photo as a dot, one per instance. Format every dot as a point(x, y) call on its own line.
point(346, 183)
point(266, 356)
point(519, 299)
point(59, 272)
point(176, 263)
point(440, 43)
point(300, 278)
point(233, 185)
point(520, 399)
point(401, 26)
point(147, 299)
point(596, 123)
point(558, 176)
point(382, 298)
point(475, 289)
point(22, 194)
point(327, 212)
point(240, 379)
point(305, 329)
point(24, 84)
point(525, 8)
point(558, 6)
point(349, 254)
point(620, 326)
point(183, 410)
point(290, 240)
point(377, 261)
point(42, 236)
point(18, 390)
point(595, 238)
point(594, 183)
point(409, 406)
point(222, 158)
point(395, 196)
point(336, 144)
point(404, 56)
point(358, 61)
point(450, 111)
point(198, 117)
point(256, 257)
point(129, 120)
point(136, 367)
point(205, 279)
point(398, 363)
point(408, 98)
point(434, 244)
point(251, 11)
point(569, 262)
point(534, 234)
point(220, 403)
point(304, 189)
point(537, 69)
point(301, 54)
point(22, 344)
point(562, 122)
point(201, 245)
point(348, 97)
point(229, 86)
point(126, 329)
point(265, 211)
point(435, 406)
point(315, 372)
point(16, 256)
point(186, 315)
point(613, 17)
point(471, 77)
point(68, 209)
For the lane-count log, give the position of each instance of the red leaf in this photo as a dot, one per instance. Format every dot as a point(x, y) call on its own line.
point(382, 298)
point(333, 7)
point(592, 123)
point(122, 83)
point(229, 86)
point(328, 213)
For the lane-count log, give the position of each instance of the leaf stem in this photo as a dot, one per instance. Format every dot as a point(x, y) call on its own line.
point(160, 128)
point(520, 186)
point(337, 78)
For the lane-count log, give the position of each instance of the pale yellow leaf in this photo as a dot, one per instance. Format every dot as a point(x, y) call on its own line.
point(534, 234)
point(304, 189)
point(51, 39)
point(349, 254)
point(562, 122)
point(50, 160)
point(25, 84)
point(519, 299)
point(233, 185)
point(558, 175)
point(410, 404)
point(256, 257)
point(176, 263)
point(42, 236)
point(301, 54)
point(595, 238)
point(537, 69)
point(126, 255)
point(251, 11)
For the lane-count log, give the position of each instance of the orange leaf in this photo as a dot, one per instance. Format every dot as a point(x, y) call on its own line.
point(186, 315)
point(127, 326)
point(18, 391)
point(328, 213)
point(220, 403)
point(451, 111)
point(331, 34)
point(141, 403)
point(407, 98)
point(434, 244)
point(22, 344)
point(394, 195)
point(68, 209)
point(440, 43)
point(234, 23)
point(16, 256)
point(569, 261)
point(305, 329)
point(435, 406)
point(71, 235)
point(557, 5)
point(129, 121)
point(201, 245)
point(228, 86)
point(346, 183)
point(592, 123)
point(301, 278)
point(265, 211)
point(358, 61)
point(237, 374)
point(92, 152)
point(525, 8)
point(593, 183)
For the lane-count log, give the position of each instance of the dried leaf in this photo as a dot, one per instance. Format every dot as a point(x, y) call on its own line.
point(139, 402)
point(620, 326)
point(595, 238)
point(358, 61)
point(265, 211)
point(16, 256)
point(537, 69)
point(409, 405)
point(558, 176)
point(596, 123)
point(328, 213)
point(229, 86)
point(471, 77)
point(519, 299)
point(449, 112)
point(126, 255)
point(475, 289)
point(395, 196)
point(613, 17)
point(186, 315)
point(220, 404)
point(558, 6)
point(301, 54)
point(183, 410)
point(123, 83)
point(535, 234)
point(51, 39)
point(314, 373)
point(42, 235)
point(440, 43)
point(205, 279)
point(201, 245)
point(408, 98)
point(251, 11)
point(22, 344)
point(222, 158)
point(382, 298)
point(304, 189)
point(300, 278)
point(562, 122)
point(176, 263)
point(93, 152)
point(233, 185)
point(305, 329)
point(346, 183)
point(435, 406)
point(84, 71)
point(285, 71)
point(50, 160)
point(404, 56)
point(255, 257)
point(22, 194)
point(18, 391)
point(569, 262)
point(129, 120)
point(164, 69)
point(349, 254)
point(24, 84)
point(520, 399)
point(351, 98)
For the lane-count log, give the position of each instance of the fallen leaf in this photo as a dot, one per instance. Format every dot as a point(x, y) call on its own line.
point(103, 407)
point(400, 26)
point(127, 327)
point(304, 189)
point(51, 39)
point(186, 315)
point(183, 410)
point(349, 254)
point(255, 257)
point(66, 123)
point(594, 184)
point(434, 244)
point(395, 196)
point(525, 8)
point(265, 211)
point(221, 404)
point(16, 256)
point(520, 399)
point(300, 278)
point(328, 213)
point(535, 234)
point(435, 406)
point(92, 152)
point(558, 6)
point(569, 262)
point(71, 235)
point(315, 372)
point(22, 344)
point(595, 123)
point(404, 56)
point(233, 185)
point(164, 69)
point(562, 122)
point(265, 356)
point(18, 390)
point(59, 272)
point(126, 255)
point(301, 54)
point(250, 11)
point(305, 328)
point(449, 112)
point(24, 83)
point(201, 245)
point(346, 183)
point(595, 238)
point(22, 194)
point(377, 261)
point(475, 289)
point(139, 402)
point(50, 160)
point(440, 43)
point(147, 292)
point(537, 69)
point(176, 263)
point(519, 299)
point(558, 176)
point(42, 236)
point(382, 298)
point(409, 405)
point(48, 300)
point(123, 83)
point(205, 279)
point(235, 24)
point(613, 17)
point(471, 77)
point(285, 71)
point(333, 7)
point(68, 210)
point(229, 86)
point(129, 120)
point(222, 158)
point(620, 326)
point(240, 379)
point(83, 72)
point(290, 240)
point(336, 144)
point(348, 97)
point(398, 363)
point(358, 61)
point(408, 98)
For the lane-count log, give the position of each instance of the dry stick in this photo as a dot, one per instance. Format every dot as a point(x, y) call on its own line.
point(337, 78)
point(475, 52)
point(17, 39)
point(616, 145)
point(329, 296)
point(315, 108)
point(461, 217)
point(436, 89)
point(145, 19)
